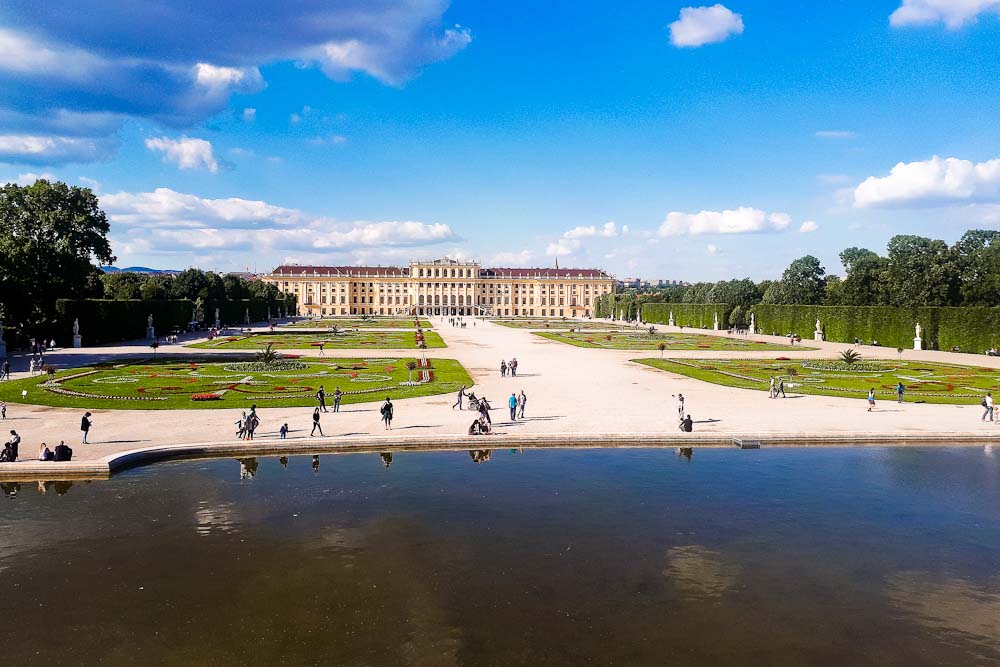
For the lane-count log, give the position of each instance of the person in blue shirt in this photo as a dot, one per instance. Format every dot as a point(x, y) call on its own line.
point(900, 389)
point(512, 403)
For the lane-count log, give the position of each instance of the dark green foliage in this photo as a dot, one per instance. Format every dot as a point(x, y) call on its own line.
point(107, 320)
point(697, 315)
point(892, 327)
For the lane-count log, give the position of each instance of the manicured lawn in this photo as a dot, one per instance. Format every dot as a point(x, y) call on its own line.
point(345, 340)
point(639, 340)
point(171, 384)
point(559, 324)
point(357, 322)
point(924, 382)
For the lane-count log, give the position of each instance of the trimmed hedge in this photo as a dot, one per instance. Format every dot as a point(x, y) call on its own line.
point(698, 315)
point(969, 329)
point(108, 320)
point(891, 327)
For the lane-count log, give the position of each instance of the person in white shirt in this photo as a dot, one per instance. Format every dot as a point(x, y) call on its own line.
point(988, 404)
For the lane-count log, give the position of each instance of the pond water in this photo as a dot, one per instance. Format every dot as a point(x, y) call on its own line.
point(879, 556)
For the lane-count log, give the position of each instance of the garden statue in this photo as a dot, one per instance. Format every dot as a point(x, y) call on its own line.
point(218, 322)
point(76, 328)
point(715, 325)
point(150, 332)
point(918, 330)
point(753, 323)
point(918, 343)
point(818, 334)
point(246, 316)
point(671, 320)
point(149, 321)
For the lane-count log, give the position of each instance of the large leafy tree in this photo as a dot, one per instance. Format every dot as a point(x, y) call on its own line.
point(977, 262)
point(865, 276)
point(50, 236)
point(803, 282)
point(919, 272)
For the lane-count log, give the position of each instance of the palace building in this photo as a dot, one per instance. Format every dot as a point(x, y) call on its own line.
point(442, 287)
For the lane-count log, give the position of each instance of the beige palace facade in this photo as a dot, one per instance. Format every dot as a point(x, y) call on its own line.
point(442, 287)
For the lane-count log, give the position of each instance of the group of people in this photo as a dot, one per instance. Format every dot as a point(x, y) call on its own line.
point(247, 424)
point(508, 367)
point(9, 454)
point(776, 386)
point(459, 322)
point(321, 399)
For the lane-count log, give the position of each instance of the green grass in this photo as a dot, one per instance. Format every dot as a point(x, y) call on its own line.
point(346, 340)
point(357, 322)
point(639, 340)
point(169, 384)
point(924, 382)
point(559, 324)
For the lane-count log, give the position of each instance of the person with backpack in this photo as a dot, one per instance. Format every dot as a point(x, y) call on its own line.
point(900, 390)
point(987, 404)
point(337, 396)
point(387, 413)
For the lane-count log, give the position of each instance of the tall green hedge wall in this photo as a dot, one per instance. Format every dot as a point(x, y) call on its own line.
point(969, 329)
point(107, 320)
point(699, 315)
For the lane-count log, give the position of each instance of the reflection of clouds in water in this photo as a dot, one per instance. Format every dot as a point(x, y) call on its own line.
point(221, 518)
point(700, 572)
point(949, 605)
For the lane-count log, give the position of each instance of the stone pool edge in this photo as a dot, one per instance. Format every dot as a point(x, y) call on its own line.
point(103, 468)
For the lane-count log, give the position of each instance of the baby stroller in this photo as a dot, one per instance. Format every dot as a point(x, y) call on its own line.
point(475, 403)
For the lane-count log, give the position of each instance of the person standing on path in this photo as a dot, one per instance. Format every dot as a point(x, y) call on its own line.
point(871, 399)
point(387, 413)
point(85, 425)
point(461, 395)
point(522, 401)
point(680, 407)
point(988, 405)
point(512, 404)
point(321, 397)
point(283, 431)
point(3, 409)
point(503, 369)
point(484, 410)
point(770, 390)
point(337, 395)
point(316, 424)
point(513, 367)
point(321, 346)
point(900, 390)
point(5, 370)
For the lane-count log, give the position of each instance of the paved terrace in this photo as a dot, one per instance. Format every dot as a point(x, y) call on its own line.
point(579, 394)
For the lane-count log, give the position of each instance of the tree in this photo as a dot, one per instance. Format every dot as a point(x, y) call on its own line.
point(802, 282)
point(919, 272)
point(123, 285)
point(50, 236)
point(410, 366)
point(865, 277)
point(977, 262)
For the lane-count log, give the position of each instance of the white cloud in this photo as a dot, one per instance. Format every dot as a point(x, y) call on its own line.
point(808, 226)
point(512, 259)
point(51, 150)
point(608, 231)
point(743, 220)
point(186, 153)
point(698, 26)
point(90, 183)
point(167, 221)
point(331, 140)
point(30, 178)
point(295, 119)
point(249, 114)
point(836, 134)
point(935, 181)
point(712, 248)
point(214, 76)
point(563, 247)
point(953, 13)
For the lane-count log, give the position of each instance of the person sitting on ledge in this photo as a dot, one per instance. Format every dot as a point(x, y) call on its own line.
point(687, 425)
point(62, 452)
point(44, 453)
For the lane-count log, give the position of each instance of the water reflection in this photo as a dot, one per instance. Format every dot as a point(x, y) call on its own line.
point(248, 468)
point(10, 489)
point(685, 452)
point(700, 572)
point(315, 464)
point(950, 605)
point(209, 518)
point(386, 458)
point(480, 455)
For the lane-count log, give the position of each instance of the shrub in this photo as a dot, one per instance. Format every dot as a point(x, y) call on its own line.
point(849, 356)
point(701, 315)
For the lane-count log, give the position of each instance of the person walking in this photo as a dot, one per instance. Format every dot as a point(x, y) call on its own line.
point(512, 404)
point(503, 369)
point(321, 397)
point(871, 399)
point(770, 390)
point(988, 405)
point(461, 395)
point(316, 425)
point(3, 409)
point(513, 367)
point(321, 346)
point(781, 388)
point(5, 370)
point(387, 413)
point(337, 395)
point(283, 431)
point(85, 424)
point(900, 390)
point(680, 406)
point(522, 401)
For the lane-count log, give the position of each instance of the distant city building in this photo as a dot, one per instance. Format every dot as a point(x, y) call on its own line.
point(639, 283)
point(442, 287)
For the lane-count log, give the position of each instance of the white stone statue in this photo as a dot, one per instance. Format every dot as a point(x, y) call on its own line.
point(671, 320)
point(217, 317)
point(918, 330)
point(819, 327)
point(149, 321)
point(246, 316)
point(753, 323)
point(76, 328)
point(715, 325)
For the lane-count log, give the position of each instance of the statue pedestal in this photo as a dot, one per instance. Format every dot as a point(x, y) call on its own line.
point(818, 335)
point(918, 343)
point(150, 333)
point(671, 322)
point(715, 326)
point(77, 340)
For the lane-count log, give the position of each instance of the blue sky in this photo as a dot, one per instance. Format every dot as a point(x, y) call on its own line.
point(663, 139)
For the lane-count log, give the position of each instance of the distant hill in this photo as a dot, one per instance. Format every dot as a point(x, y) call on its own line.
point(136, 269)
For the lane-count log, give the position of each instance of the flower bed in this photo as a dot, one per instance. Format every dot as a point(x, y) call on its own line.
point(841, 367)
point(206, 397)
point(261, 367)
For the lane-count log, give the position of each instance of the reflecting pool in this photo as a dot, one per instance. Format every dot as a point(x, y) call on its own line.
point(878, 556)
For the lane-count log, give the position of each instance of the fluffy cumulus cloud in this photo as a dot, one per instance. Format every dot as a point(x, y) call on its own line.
point(53, 149)
point(808, 227)
point(609, 230)
point(743, 220)
point(185, 152)
point(167, 222)
point(179, 65)
point(931, 182)
point(952, 13)
point(698, 26)
point(563, 247)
